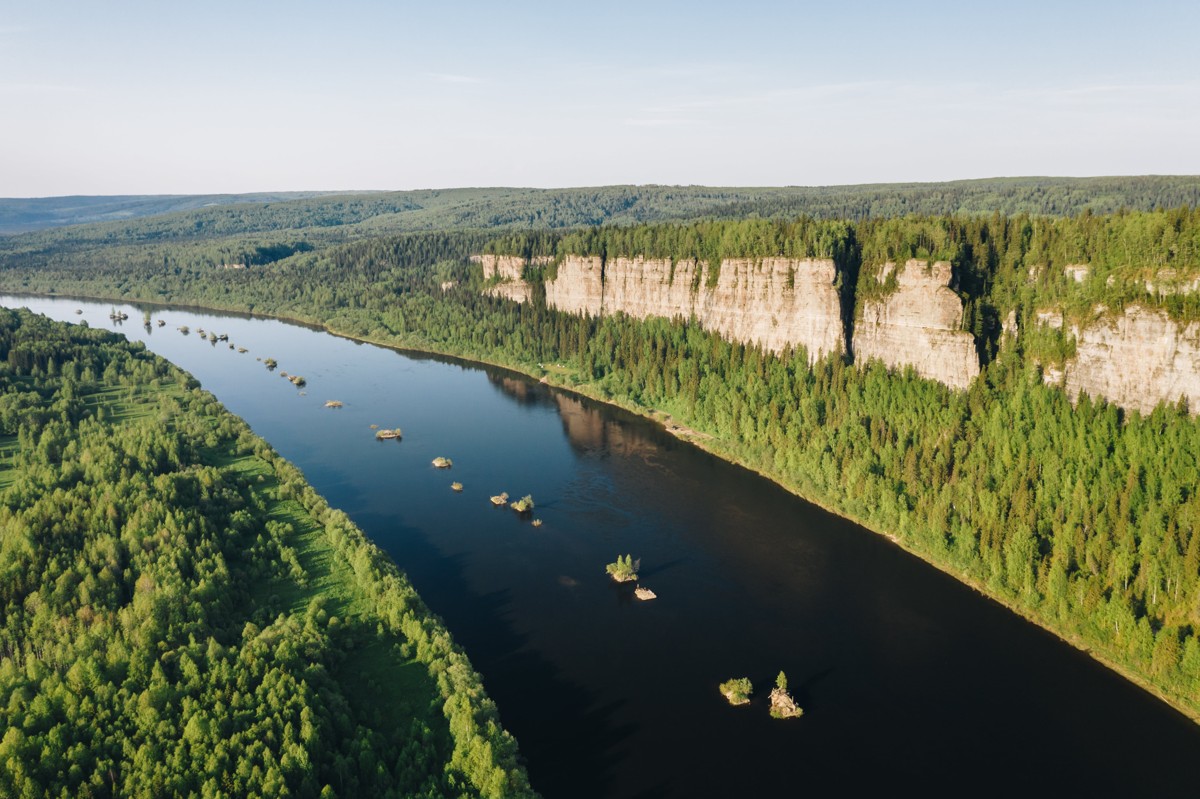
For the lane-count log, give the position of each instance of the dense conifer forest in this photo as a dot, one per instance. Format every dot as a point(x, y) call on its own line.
point(1083, 518)
point(182, 615)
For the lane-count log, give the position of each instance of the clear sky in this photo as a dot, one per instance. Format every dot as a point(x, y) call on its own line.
point(125, 97)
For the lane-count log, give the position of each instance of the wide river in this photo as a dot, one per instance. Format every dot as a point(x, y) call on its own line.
point(910, 681)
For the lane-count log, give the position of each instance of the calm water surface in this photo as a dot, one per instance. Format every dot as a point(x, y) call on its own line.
point(909, 680)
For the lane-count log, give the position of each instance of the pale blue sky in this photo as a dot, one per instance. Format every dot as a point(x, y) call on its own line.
point(152, 97)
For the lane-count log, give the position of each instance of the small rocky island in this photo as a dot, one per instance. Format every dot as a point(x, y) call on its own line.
point(643, 593)
point(439, 462)
point(783, 706)
point(737, 690)
point(456, 486)
point(523, 505)
point(385, 434)
point(624, 570)
point(500, 500)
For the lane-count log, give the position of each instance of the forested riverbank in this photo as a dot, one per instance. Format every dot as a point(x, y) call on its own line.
point(1082, 517)
point(183, 614)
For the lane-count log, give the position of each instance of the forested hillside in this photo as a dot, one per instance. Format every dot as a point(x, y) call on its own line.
point(217, 229)
point(182, 615)
point(1083, 517)
point(20, 215)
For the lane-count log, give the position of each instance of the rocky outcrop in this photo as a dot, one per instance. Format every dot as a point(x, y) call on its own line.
point(783, 706)
point(1168, 281)
point(1137, 360)
point(509, 270)
point(1077, 272)
point(772, 302)
point(918, 325)
point(505, 267)
point(578, 287)
point(775, 303)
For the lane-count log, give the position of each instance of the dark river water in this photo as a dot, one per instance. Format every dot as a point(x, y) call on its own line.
point(910, 681)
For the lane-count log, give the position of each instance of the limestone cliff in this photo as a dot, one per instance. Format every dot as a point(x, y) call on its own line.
point(509, 272)
point(505, 267)
point(1136, 359)
point(918, 325)
point(772, 302)
point(578, 287)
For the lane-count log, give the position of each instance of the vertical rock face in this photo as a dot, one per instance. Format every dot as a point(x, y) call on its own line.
point(578, 287)
point(510, 269)
point(643, 287)
point(918, 325)
point(1135, 360)
point(506, 267)
point(772, 302)
point(777, 302)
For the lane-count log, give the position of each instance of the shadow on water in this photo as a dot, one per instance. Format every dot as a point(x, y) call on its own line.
point(804, 692)
point(662, 567)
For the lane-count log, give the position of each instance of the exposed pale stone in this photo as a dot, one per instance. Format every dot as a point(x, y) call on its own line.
point(1168, 281)
point(517, 291)
point(918, 325)
point(1078, 272)
point(1052, 319)
point(1009, 326)
point(1136, 360)
point(578, 287)
point(772, 302)
point(510, 269)
point(506, 267)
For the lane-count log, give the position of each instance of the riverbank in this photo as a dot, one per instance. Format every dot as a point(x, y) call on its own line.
point(239, 585)
point(728, 451)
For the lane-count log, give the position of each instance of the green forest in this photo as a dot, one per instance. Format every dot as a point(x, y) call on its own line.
point(182, 615)
point(1084, 518)
point(212, 230)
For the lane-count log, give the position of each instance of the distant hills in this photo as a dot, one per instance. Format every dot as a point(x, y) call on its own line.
point(22, 215)
point(128, 218)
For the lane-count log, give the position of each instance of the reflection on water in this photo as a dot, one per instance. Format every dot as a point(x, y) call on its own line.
point(589, 427)
point(908, 678)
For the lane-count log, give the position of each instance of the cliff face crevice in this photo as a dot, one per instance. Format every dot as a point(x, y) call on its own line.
point(1136, 359)
point(918, 325)
point(772, 302)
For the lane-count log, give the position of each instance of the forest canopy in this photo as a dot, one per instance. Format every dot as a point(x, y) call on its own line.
point(1083, 517)
point(183, 615)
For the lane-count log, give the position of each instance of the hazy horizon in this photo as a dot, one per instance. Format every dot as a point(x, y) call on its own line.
point(227, 99)
point(311, 191)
